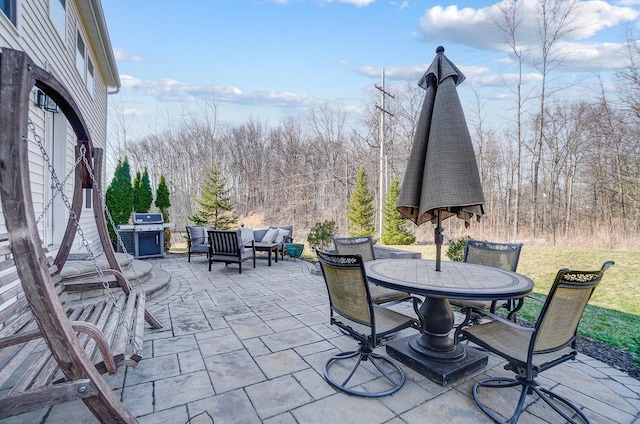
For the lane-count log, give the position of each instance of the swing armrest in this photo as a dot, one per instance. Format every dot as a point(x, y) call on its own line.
point(120, 278)
point(96, 334)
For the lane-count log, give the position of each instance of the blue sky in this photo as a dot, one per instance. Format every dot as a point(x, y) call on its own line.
point(269, 59)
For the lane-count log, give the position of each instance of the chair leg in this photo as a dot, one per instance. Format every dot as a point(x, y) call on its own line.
point(365, 354)
point(528, 387)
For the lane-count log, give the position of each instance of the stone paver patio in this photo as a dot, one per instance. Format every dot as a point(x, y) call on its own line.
point(250, 348)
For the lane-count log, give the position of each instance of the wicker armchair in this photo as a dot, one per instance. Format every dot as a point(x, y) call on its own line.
point(530, 351)
point(363, 246)
point(353, 311)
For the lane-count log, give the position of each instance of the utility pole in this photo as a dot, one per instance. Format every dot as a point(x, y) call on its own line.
point(382, 173)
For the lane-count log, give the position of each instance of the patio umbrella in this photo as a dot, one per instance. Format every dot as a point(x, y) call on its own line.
point(441, 179)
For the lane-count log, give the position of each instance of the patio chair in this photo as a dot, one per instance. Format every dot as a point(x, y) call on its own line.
point(363, 246)
point(227, 246)
point(497, 255)
point(530, 351)
point(355, 314)
point(197, 241)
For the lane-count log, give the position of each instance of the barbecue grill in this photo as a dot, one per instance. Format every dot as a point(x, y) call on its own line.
point(148, 231)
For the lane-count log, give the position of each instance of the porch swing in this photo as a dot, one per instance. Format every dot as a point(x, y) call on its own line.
point(85, 341)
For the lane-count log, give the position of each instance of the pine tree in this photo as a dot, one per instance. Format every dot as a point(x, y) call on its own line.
point(163, 203)
point(395, 231)
point(146, 192)
point(119, 197)
point(360, 211)
point(215, 203)
point(137, 185)
point(142, 194)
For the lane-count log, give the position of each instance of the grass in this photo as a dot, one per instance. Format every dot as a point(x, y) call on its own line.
point(613, 313)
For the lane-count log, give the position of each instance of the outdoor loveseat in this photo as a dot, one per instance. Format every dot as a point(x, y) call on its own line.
point(280, 235)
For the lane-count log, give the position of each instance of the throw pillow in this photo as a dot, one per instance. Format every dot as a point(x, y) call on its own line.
point(282, 233)
point(246, 234)
point(270, 236)
point(198, 235)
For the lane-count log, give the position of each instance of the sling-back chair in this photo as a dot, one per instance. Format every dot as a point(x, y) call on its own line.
point(355, 314)
point(363, 246)
point(497, 255)
point(530, 351)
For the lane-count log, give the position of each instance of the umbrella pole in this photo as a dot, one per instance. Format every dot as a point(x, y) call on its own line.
point(437, 235)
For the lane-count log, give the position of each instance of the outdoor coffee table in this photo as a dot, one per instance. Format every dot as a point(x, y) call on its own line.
point(432, 352)
point(270, 248)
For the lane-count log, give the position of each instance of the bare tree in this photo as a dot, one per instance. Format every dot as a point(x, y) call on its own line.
point(509, 22)
point(555, 23)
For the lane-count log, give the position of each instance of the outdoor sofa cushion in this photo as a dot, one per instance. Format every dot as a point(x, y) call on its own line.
point(198, 235)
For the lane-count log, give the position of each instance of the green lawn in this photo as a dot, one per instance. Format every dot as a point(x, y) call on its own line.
point(613, 314)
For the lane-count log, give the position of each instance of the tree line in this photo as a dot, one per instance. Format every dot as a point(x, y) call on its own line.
point(568, 172)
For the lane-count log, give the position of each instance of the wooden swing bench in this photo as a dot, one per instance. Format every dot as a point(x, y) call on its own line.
point(53, 350)
point(30, 374)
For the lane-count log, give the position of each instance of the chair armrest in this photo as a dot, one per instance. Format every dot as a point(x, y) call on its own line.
point(251, 243)
point(458, 337)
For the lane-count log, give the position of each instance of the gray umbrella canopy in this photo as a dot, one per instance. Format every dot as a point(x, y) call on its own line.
point(442, 173)
point(441, 179)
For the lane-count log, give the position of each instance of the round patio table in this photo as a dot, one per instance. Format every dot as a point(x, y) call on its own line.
point(433, 352)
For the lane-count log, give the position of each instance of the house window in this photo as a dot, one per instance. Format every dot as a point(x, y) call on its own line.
point(90, 76)
point(88, 200)
point(80, 55)
point(9, 9)
point(58, 15)
point(84, 64)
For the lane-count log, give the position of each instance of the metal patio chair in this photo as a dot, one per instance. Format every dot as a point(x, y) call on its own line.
point(497, 255)
point(197, 241)
point(227, 246)
point(530, 351)
point(355, 314)
point(363, 246)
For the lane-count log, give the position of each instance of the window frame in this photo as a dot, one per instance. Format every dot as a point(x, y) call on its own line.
point(55, 17)
point(84, 64)
point(12, 13)
point(90, 77)
point(88, 198)
point(81, 56)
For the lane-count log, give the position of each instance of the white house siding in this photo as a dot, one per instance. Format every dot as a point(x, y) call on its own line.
point(36, 35)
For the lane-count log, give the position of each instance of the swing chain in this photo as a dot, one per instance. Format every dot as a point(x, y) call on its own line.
point(63, 184)
point(80, 232)
point(106, 210)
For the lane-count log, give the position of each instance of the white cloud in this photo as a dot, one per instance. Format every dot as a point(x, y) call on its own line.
point(168, 90)
point(132, 112)
point(399, 73)
point(358, 3)
point(121, 55)
point(476, 28)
